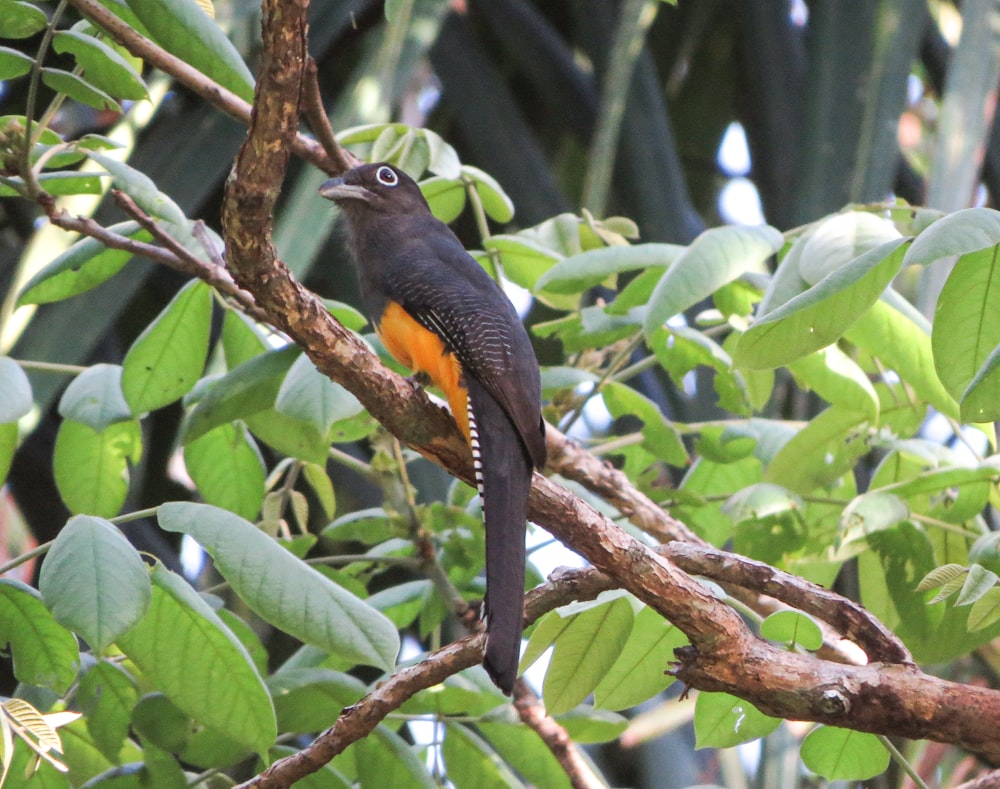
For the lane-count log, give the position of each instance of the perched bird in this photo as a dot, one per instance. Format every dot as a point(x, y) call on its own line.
point(441, 315)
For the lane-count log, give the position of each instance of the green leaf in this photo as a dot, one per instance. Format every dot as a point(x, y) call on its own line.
point(346, 314)
point(241, 339)
point(793, 628)
point(322, 486)
point(717, 256)
point(584, 652)
point(659, 436)
point(383, 758)
point(13, 64)
point(289, 436)
point(308, 395)
point(228, 469)
point(94, 581)
point(977, 583)
point(166, 360)
point(822, 452)
point(640, 670)
point(283, 590)
point(979, 401)
point(183, 648)
point(524, 750)
point(497, 205)
point(840, 239)
point(960, 233)
point(95, 398)
point(44, 652)
point(722, 721)
point(586, 725)
point(140, 187)
point(15, 391)
point(101, 64)
point(85, 265)
point(20, 20)
point(985, 611)
point(872, 512)
point(581, 272)
point(967, 319)
point(58, 184)
point(8, 445)
point(843, 755)
point(445, 196)
point(91, 467)
point(469, 761)
point(78, 89)
point(185, 30)
point(106, 697)
point(248, 389)
point(902, 345)
point(819, 316)
point(524, 261)
point(308, 699)
point(838, 379)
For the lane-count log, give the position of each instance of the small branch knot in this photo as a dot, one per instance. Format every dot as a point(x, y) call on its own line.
point(834, 702)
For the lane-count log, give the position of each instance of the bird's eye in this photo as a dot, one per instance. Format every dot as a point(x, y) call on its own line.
point(386, 176)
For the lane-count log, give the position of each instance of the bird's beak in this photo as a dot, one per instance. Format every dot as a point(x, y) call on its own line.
point(336, 189)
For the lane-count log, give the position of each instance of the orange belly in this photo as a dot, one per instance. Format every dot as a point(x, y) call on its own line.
point(423, 352)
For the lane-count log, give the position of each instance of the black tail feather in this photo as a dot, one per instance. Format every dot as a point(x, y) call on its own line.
point(503, 471)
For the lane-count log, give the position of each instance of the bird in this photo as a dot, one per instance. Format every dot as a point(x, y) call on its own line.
point(438, 312)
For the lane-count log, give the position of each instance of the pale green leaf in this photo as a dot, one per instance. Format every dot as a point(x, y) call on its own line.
point(820, 315)
point(840, 239)
point(793, 628)
point(717, 256)
point(838, 379)
point(722, 721)
point(94, 581)
point(91, 467)
point(584, 652)
point(102, 65)
point(283, 590)
point(580, 272)
point(95, 397)
point(843, 755)
point(15, 391)
point(308, 395)
point(960, 233)
point(471, 762)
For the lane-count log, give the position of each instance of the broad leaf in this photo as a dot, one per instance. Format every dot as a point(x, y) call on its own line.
point(94, 582)
point(843, 755)
point(44, 652)
point(182, 647)
point(166, 360)
point(15, 391)
point(283, 590)
point(228, 469)
point(91, 467)
point(819, 316)
point(102, 65)
point(716, 257)
point(95, 398)
point(722, 721)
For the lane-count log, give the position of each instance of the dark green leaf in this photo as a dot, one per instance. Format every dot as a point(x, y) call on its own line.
point(470, 761)
point(248, 389)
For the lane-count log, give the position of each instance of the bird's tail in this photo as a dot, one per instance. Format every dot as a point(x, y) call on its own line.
point(503, 476)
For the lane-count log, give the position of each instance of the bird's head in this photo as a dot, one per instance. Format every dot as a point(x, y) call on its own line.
point(378, 187)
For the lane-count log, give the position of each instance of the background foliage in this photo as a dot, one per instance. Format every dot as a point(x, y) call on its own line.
point(829, 415)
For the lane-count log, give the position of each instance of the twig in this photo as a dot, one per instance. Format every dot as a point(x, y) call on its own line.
point(211, 91)
point(532, 713)
point(186, 263)
point(319, 122)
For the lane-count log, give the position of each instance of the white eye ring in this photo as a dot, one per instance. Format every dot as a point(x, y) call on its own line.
point(386, 176)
